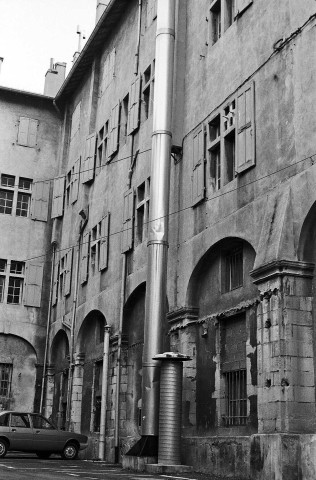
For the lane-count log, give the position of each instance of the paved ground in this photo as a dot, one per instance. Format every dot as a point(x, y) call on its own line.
point(29, 467)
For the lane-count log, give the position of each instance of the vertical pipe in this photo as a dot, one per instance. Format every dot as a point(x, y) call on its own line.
point(138, 36)
point(105, 369)
point(92, 418)
point(159, 210)
point(48, 327)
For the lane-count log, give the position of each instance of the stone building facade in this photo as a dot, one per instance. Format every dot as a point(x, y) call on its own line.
point(240, 277)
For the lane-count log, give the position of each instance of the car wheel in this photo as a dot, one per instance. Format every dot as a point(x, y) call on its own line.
point(3, 448)
point(70, 451)
point(43, 454)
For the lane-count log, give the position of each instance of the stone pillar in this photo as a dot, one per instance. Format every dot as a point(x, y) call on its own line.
point(50, 384)
point(76, 397)
point(286, 390)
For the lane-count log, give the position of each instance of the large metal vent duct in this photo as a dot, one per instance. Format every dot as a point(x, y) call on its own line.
point(170, 411)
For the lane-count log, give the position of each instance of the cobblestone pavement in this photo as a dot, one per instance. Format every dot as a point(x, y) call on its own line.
point(29, 467)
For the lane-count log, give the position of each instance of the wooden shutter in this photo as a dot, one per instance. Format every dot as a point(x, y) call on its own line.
point(68, 272)
point(104, 242)
point(128, 217)
point(33, 284)
point(114, 129)
point(32, 133)
point(198, 177)
point(58, 197)
point(133, 114)
point(245, 128)
point(75, 182)
point(241, 5)
point(23, 131)
point(84, 258)
point(55, 282)
point(40, 196)
point(89, 163)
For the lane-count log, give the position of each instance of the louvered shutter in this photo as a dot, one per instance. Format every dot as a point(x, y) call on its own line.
point(114, 129)
point(241, 5)
point(128, 217)
point(198, 177)
point(23, 131)
point(68, 272)
point(58, 197)
point(55, 282)
point(89, 163)
point(32, 133)
point(33, 284)
point(245, 128)
point(104, 242)
point(133, 115)
point(75, 183)
point(39, 205)
point(84, 258)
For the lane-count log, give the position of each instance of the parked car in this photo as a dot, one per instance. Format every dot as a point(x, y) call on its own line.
point(31, 432)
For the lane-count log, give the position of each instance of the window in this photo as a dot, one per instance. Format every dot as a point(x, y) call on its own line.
point(75, 121)
point(102, 147)
point(16, 280)
point(231, 138)
point(108, 71)
point(19, 420)
point(148, 91)
point(232, 269)
point(233, 363)
point(27, 132)
point(223, 13)
point(124, 120)
point(142, 211)
point(12, 192)
point(5, 380)
point(68, 188)
point(2, 287)
point(62, 275)
point(41, 423)
point(216, 21)
point(95, 249)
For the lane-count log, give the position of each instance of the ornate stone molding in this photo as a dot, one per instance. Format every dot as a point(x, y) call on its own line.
point(281, 268)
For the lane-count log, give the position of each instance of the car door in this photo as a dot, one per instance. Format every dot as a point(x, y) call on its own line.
point(20, 432)
point(46, 438)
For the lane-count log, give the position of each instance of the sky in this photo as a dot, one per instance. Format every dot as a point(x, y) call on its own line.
point(34, 31)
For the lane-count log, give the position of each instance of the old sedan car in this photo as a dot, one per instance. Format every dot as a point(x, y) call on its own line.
point(31, 432)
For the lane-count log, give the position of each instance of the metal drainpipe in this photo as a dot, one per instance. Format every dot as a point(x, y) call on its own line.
point(105, 370)
point(138, 36)
point(48, 327)
point(72, 336)
point(159, 210)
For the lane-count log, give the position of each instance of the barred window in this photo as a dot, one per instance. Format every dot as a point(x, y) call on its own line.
point(5, 379)
point(236, 397)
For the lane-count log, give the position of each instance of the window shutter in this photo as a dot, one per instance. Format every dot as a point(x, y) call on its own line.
point(32, 133)
point(241, 5)
point(245, 128)
point(114, 130)
point(89, 163)
point(133, 117)
point(84, 258)
point(33, 284)
point(55, 282)
point(23, 131)
point(198, 177)
point(68, 272)
point(128, 217)
point(40, 196)
point(75, 184)
point(58, 197)
point(104, 242)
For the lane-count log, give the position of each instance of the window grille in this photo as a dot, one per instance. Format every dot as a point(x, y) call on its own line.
point(5, 379)
point(236, 398)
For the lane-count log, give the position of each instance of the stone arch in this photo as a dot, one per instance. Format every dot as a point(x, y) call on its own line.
point(89, 365)
point(19, 358)
point(306, 251)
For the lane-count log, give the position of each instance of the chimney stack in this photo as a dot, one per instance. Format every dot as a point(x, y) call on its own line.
point(81, 36)
point(54, 78)
point(101, 6)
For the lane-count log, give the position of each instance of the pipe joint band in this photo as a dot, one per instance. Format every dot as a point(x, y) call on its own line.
point(158, 242)
point(166, 31)
point(161, 132)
